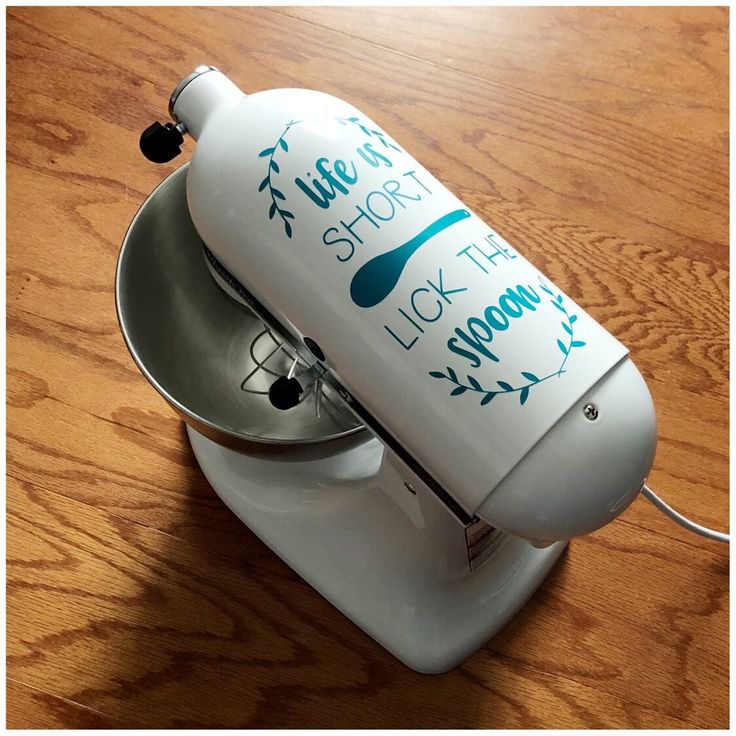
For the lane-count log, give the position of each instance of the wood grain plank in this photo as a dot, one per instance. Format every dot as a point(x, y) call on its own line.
point(128, 496)
point(135, 496)
point(165, 643)
point(137, 464)
point(671, 309)
point(147, 435)
point(79, 125)
point(28, 707)
point(661, 615)
point(669, 76)
point(78, 327)
point(507, 143)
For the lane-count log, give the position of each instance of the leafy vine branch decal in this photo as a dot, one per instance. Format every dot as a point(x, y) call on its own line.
point(531, 380)
point(273, 168)
point(379, 134)
point(278, 199)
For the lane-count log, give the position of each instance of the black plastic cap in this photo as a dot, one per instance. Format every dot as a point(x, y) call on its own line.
point(161, 143)
point(285, 392)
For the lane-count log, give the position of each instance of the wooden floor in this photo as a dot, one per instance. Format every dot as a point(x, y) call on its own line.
point(594, 140)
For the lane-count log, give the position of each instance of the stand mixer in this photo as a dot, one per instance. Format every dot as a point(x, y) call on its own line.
point(374, 381)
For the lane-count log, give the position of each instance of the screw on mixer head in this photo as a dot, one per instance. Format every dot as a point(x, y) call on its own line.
point(161, 143)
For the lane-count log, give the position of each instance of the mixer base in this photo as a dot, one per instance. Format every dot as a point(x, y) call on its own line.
point(396, 568)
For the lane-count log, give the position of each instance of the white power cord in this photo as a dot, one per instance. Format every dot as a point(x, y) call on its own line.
point(649, 494)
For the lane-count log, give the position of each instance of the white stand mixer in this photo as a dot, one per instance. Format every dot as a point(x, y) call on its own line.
point(409, 508)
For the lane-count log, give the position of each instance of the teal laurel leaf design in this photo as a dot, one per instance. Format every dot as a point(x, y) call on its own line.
point(557, 305)
point(377, 134)
point(524, 391)
point(274, 168)
point(474, 383)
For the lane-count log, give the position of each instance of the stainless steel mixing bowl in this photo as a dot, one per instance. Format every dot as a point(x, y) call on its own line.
point(205, 353)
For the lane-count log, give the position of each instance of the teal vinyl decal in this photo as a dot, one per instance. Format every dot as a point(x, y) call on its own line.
point(376, 279)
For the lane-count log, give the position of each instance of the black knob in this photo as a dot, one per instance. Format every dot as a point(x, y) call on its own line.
point(161, 143)
point(285, 392)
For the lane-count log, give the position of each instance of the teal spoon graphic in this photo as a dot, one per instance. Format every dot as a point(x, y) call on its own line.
point(376, 279)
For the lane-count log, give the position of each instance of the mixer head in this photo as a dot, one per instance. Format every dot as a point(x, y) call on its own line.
point(522, 465)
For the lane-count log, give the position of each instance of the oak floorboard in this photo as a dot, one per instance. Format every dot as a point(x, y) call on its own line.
point(506, 142)
point(625, 78)
point(30, 708)
point(125, 621)
point(54, 312)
